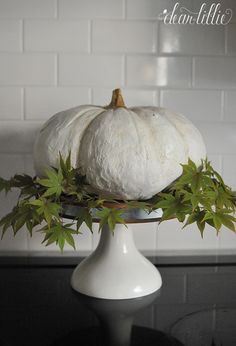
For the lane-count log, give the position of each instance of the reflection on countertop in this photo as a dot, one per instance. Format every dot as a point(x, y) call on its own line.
point(195, 307)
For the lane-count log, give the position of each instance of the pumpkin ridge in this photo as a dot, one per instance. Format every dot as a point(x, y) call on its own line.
point(78, 161)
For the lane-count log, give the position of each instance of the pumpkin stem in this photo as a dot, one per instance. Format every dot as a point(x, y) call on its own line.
point(117, 100)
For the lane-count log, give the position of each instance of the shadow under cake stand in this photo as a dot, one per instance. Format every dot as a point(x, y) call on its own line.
point(116, 269)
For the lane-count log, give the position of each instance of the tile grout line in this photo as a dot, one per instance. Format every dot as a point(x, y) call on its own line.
point(124, 9)
point(124, 71)
point(57, 83)
point(156, 98)
point(90, 36)
point(22, 30)
point(160, 97)
point(221, 163)
point(221, 172)
point(155, 38)
point(156, 239)
point(222, 105)
point(27, 233)
point(158, 32)
point(23, 106)
point(90, 95)
point(193, 73)
point(226, 40)
point(56, 9)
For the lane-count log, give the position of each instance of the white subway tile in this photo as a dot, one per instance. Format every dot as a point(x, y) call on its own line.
point(162, 71)
point(131, 37)
point(18, 137)
point(90, 8)
point(42, 102)
point(144, 8)
point(83, 241)
point(227, 239)
point(231, 39)
point(216, 161)
point(10, 165)
point(27, 8)
point(215, 72)
point(151, 9)
point(29, 164)
point(101, 70)
point(191, 39)
point(10, 35)
point(51, 35)
point(27, 69)
point(131, 97)
point(230, 106)
point(219, 138)
point(11, 100)
point(135, 98)
point(145, 235)
point(229, 169)
point(171, 236)
point(197, 105)
point(10, 243)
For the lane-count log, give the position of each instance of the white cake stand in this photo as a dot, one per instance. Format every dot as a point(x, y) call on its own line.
point(116, 269)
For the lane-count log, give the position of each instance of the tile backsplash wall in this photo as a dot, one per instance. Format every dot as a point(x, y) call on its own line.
point(58, 54)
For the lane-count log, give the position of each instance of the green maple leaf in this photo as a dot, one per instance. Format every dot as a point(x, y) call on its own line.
point(198, 196)
point(198, 217)
point(22, 180)
point(84, 216)
point(172, 207)
point(5, 185)
point(218, 218)
point(48, 209)
point(224, 198)
point(6, 221)
point(110, 217)
point(59, 233)
point(22, 214)
point(68, 173)
point(65, 164)
point(53, 183)
point(138, 204)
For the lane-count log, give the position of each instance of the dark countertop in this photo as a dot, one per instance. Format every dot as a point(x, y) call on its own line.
point(195, 306)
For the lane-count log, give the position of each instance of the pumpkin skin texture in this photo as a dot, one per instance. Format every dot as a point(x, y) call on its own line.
point(125, 153)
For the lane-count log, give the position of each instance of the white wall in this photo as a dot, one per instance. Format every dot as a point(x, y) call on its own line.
point(58, 54)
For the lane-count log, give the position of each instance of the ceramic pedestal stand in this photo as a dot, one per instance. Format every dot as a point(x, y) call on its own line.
point(116, 269)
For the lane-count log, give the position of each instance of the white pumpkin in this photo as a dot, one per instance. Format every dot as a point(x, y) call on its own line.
point(127, 153)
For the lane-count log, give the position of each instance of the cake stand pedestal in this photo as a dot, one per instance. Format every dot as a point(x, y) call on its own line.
point(116, 269)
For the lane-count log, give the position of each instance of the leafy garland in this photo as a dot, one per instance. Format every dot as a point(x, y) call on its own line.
point(198, 195)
